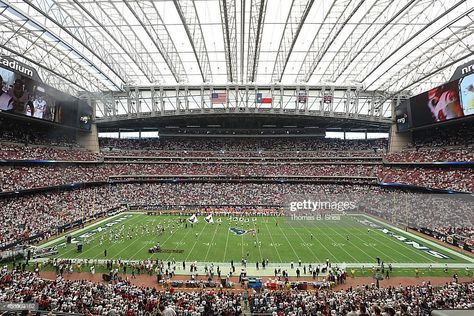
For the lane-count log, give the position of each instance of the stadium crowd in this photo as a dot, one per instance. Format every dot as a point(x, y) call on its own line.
point(442, 143)
point(43, 213)
point(368, 300)
point(27, 177)
point(121, 298)
point(433, 155)
point(29, 152)
point(457, 179)
point(239, 144)
point(222, 154)
point(461, 136)
point(19, 178)
point(18, 132)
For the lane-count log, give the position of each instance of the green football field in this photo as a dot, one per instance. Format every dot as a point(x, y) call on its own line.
point(355, 239)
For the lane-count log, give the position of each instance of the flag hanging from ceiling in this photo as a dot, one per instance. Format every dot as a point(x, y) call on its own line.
point(263, 99)
point(327, 98)
point(302, 97)
point(209, 219)
point(218, 97)
point(193, 219)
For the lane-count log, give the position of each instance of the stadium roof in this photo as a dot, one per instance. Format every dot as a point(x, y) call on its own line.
point(100, 45)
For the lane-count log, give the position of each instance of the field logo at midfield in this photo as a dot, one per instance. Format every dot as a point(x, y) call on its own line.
point(405, 240)
point(240, 232)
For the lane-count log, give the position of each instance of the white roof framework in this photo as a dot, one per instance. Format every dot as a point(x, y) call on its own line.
point(106, 45)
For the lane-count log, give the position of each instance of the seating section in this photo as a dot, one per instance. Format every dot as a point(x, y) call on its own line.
point(457, 179)
point(122, 298)
point(27, 177)
point(443, 143)
point(411, 300)
point(15, 151)
point(243, 144)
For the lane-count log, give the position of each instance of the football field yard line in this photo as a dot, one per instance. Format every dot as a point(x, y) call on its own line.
point(273, 242)
point(349, 241)
point(321, 243)
point(197, 239)
point(151, 255)
point(111, 245)
point(421, 254)
point(80, 231)
point(356, 236)
point(342, 248)
point(309, 248)
point(292, 248)
point(85, 230)
point(131, 219)
point(137, 240)
point(361, 248)
point(259, 246)
point(141, 247)
point(402, 245)
point(178, 242)
point(242, 243)
point(379, 249)
point(426, 241)
point(410, 258)
point(226, 243)
point(210, 244)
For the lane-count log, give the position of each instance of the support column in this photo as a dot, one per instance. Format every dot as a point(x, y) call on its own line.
point(398, 141)
point(89, 140)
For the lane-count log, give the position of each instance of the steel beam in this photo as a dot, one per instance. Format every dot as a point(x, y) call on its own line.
point(436, 51)
point(108, 18)
point(257, 19)
point(344, 102)
point(229, 28)
point(401, 35)
point(190, 20)
point(43, 49)
point(95, 50)
point(299, 10)
point(335, 20)
point(378, 17)
point(150, 20)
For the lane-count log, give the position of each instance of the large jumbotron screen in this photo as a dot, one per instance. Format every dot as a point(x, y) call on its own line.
point(23, 95)
point(450, 101)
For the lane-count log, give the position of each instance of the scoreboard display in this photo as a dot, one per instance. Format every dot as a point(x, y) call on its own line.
point(23, 93)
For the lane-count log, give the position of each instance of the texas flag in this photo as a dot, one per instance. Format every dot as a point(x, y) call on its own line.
point(262, 99)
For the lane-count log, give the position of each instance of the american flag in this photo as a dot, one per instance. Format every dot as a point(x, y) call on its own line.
point(218, 98)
